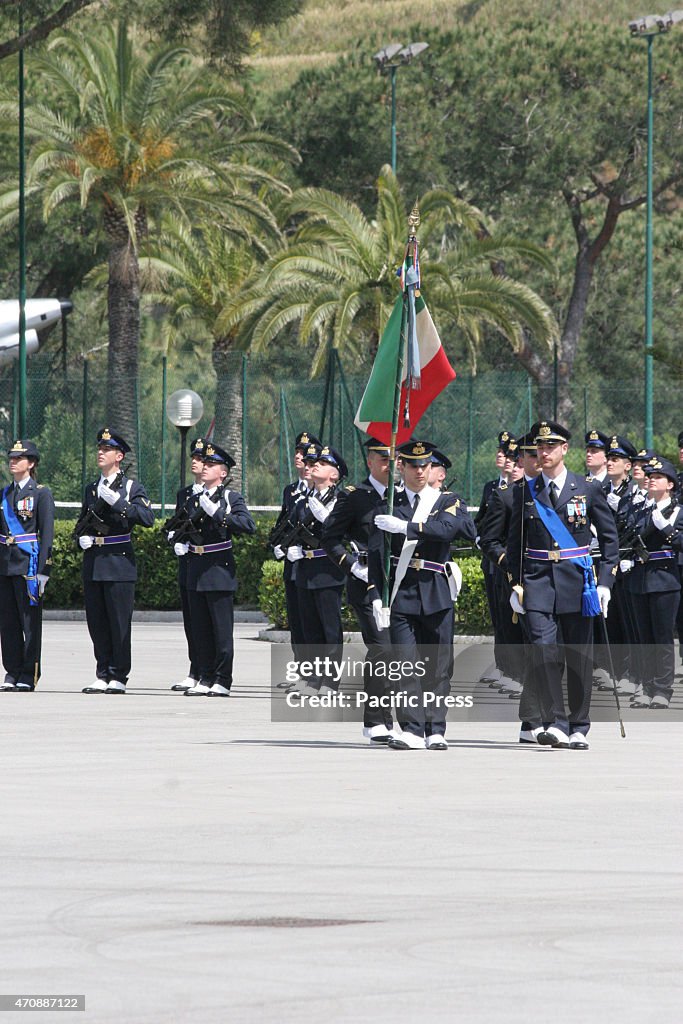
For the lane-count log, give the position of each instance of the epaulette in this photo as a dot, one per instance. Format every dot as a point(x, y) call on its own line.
point(447, 492)
point(349, 488)
point(40, 486)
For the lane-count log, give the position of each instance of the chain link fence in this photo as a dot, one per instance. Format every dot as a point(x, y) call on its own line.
point(65, 410)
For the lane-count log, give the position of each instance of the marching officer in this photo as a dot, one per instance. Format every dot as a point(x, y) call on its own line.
point(197, 447)
point(597, 444)
point(112, 507)
point(345, 539)
point(554, 584)
point(27, 524)
point(293, 493)
point(319, 578)
point(422, 527)
point(655, 584)
point(211, 580)
point(494, 673)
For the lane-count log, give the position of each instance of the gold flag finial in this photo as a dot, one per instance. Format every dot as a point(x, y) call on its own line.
point(414, 219)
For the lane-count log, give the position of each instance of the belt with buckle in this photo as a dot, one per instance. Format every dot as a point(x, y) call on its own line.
point(315, 553)
point(114, 538)
point(206, 549)
point(559, 555)
point(422, 563)
point(658, 555)
point(18, 538)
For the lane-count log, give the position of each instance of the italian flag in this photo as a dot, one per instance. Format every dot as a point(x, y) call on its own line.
point(376, 408)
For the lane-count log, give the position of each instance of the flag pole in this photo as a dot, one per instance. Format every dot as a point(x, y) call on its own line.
point(413, 224)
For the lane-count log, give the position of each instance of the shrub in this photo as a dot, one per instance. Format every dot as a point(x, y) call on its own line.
point(472, 611)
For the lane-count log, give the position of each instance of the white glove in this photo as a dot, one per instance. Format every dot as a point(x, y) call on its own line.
point(476, 542)
point(318, 509)
point(638, 497)
point(106, 493)
point(295, 553)
point(42, 583)
point(516, 604)
point(380, 615)
point(360, 571)
point(181, 549)
point(391, 524)
point(626, 564)
point(170, 535)
point(278, 552)
point(210, 507)
point(613, 500)
point(228, 506)
point(659, 520)
point(604, 596)
point(86, 542)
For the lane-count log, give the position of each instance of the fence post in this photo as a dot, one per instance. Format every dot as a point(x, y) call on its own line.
point(244, 425)
point(530, 404)
point(84, 425)
point(164, 388)
point(470, 426)
point(585, 408)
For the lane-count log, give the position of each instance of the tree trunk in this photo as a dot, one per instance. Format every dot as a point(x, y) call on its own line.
point(227, 365)
point(123, 304)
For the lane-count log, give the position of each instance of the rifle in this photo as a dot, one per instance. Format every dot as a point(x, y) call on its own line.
point(91, 522)
point(187, 523)
point(285, 525)
point(300, 532)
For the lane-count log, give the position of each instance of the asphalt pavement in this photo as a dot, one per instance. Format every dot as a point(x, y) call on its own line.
point(191, 860)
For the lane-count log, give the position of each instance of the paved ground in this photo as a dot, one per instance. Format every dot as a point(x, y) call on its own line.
point(202, 864)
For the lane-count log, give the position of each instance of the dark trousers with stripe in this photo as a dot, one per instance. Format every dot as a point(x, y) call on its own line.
point(187, 626)
point(378, 643)
point(109, 614)
point(320, 612)
point(656, 618)
point(212, 616)
point(556, 641)
point(296, 632)
point(19, 629)
point(421, 637)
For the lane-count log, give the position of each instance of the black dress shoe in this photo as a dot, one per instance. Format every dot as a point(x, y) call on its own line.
point(553, 737)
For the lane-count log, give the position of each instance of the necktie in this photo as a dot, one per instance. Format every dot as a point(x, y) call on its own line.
point(553, 493)
point(416, 500)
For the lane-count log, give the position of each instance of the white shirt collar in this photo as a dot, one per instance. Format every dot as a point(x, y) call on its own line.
point(197, 488)
point(380, 488)
point(411, 494)
point(22, 483)
point(501, 481)
point(108, 479)
point(559, 481)
point(663, 502)
point(598, 476)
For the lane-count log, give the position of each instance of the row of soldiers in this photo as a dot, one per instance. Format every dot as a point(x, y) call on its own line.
point(207, 516)
point(542, 529)
point(637, 556)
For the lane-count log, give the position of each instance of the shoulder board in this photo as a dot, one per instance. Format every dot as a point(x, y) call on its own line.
point(447, 492)
point(349, 488)
point(40, 486)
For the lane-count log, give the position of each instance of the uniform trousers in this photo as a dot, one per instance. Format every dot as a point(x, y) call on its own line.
point(619, 632)
point(551, 650)
point(656, 617)
point(421, 637)
point(109, 614)
point(19, 629)
point(532, 711)
point(378, 643)
point(187, 626)
point(212, 616)
point(294, 618)
point(320, 613)
point(508, 634)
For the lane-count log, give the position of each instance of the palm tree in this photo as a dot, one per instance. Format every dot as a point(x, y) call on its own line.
point(336, 277)
point(132, 135)
point(193, 275)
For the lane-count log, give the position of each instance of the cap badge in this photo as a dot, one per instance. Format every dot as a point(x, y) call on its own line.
point(419, 448)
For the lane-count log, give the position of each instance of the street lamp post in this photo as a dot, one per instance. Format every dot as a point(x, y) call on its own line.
point(184, 408)
point(648, 27)
point(390, 59)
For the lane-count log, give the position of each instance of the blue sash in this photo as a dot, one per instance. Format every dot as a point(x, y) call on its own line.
point(590, 602)
point(31, 547)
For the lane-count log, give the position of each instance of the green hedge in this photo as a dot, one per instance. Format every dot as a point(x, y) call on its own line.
point(471, 611)
point(260, 578)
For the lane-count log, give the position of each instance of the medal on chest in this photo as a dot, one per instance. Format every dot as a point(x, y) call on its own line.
point(25, 508)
